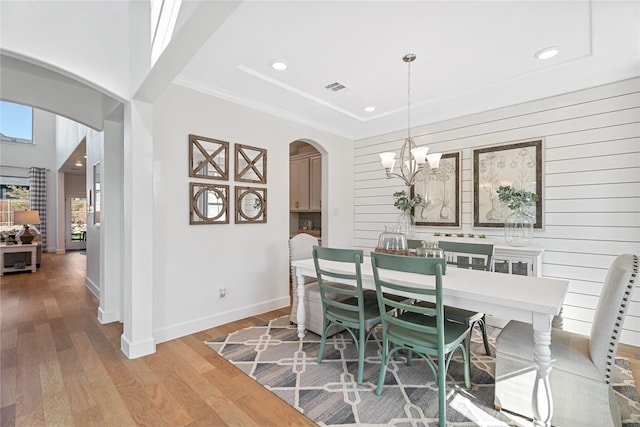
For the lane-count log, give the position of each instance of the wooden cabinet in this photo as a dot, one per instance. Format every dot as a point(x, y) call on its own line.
point(299, 184)
point(305, 183)
point(315, 183)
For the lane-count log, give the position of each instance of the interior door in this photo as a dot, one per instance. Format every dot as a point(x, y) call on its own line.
point(75, 222)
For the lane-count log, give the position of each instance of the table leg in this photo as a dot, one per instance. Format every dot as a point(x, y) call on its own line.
point(34, 253)
point(542, 402)
point(301, 315)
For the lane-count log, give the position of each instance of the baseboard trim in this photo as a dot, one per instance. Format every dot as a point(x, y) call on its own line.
point(95, 289)
point(134, 350)
point(197, 325)
point(105, 317)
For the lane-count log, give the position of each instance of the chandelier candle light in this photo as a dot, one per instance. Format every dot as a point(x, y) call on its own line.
point(412, 157)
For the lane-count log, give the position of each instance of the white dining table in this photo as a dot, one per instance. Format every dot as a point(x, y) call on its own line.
point(533, 300)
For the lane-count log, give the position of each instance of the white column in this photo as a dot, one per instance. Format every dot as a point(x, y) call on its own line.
point(137, 339)
point(111, 227)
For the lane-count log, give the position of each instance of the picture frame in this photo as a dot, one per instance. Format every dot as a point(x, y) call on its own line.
point(251, 205)
point(518, 164)
point(208, 158)
point(209, 203)
point(250, 164)
point(441, 194)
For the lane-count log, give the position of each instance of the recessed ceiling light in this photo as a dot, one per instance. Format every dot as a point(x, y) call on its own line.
point(278, 65)
point(78, 163)
point(369, 109)
point(547, 52)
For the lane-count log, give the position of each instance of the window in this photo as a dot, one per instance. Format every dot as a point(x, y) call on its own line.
point(14, 196)
point(164, 14)
point(16, 123)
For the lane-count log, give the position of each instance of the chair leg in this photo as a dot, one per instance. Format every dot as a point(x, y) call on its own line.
point(323, 340)
point(442, 392)
point(361, 348)
point(467, 369)
point(483, 327)
point(383, 366)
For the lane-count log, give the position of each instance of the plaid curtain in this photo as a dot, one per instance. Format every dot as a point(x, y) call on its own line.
point(38, 198)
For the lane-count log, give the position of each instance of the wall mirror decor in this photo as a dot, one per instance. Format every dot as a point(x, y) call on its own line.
point(251, 164)
point(97, 199)
point(517, 164)
point(209, 203)
point(440, 191)
point(208, 158)
point(251, 205)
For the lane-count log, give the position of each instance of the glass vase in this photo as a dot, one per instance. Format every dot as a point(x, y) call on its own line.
point(518, 228)
point(392, 241)
point(405, 222)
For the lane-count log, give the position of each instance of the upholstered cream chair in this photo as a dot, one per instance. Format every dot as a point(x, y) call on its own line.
point(580, 377)
point(301, 247)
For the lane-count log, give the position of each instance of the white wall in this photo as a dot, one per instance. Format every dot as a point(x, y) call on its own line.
point(75, 184)
point(591, 185)
point(68, 135)
point(251, 260)
point(39, 154)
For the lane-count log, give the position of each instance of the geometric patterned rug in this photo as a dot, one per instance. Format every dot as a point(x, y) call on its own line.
point(327, 393)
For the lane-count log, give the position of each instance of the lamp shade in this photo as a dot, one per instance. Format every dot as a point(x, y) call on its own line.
point(26, 217)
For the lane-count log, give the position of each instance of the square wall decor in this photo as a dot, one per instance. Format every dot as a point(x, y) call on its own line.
point(251, 205)
point(209, 203)
point(208, 158)
point(251, 164)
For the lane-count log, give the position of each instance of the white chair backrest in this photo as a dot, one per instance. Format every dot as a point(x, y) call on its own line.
point(615, 298)
point(301, 247)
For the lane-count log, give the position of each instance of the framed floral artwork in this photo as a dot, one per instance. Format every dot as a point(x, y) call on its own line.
point(517, 164)
point(440, 192)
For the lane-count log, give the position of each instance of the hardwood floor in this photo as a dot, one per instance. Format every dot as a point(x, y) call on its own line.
point(60, 367)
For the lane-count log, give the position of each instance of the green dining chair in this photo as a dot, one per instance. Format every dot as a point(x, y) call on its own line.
point(476, 256)
point(358, 314)
point(419, 329)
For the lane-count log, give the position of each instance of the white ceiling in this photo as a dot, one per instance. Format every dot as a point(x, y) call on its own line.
point(471, 56)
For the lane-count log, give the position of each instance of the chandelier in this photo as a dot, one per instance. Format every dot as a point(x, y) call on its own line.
point(414, 160)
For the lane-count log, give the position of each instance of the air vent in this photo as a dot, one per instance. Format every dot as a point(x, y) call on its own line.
point(335, 86)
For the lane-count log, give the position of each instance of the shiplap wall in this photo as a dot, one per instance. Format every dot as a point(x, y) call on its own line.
point(591, 185)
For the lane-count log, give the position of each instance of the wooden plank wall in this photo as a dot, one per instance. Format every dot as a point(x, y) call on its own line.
point(591, 185)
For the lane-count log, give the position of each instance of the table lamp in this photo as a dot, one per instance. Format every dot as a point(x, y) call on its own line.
point(25, 218)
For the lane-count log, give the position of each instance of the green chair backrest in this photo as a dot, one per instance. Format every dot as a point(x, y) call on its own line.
point(415, 244)
point(476, 256)
point(324, 275)
point(384, 287)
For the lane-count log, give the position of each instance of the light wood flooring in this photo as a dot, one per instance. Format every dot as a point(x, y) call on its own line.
point(60, 367)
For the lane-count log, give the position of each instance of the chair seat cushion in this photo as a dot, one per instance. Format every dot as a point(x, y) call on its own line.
point(454, 313)
point(569, 351)
point(371, 311)
point(453, 331)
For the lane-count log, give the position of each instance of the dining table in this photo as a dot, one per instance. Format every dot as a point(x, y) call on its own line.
point(534, 300)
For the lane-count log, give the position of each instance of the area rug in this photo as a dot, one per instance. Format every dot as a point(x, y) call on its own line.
point(327, 393)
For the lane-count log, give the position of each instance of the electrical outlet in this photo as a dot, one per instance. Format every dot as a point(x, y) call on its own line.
point(222, 292)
